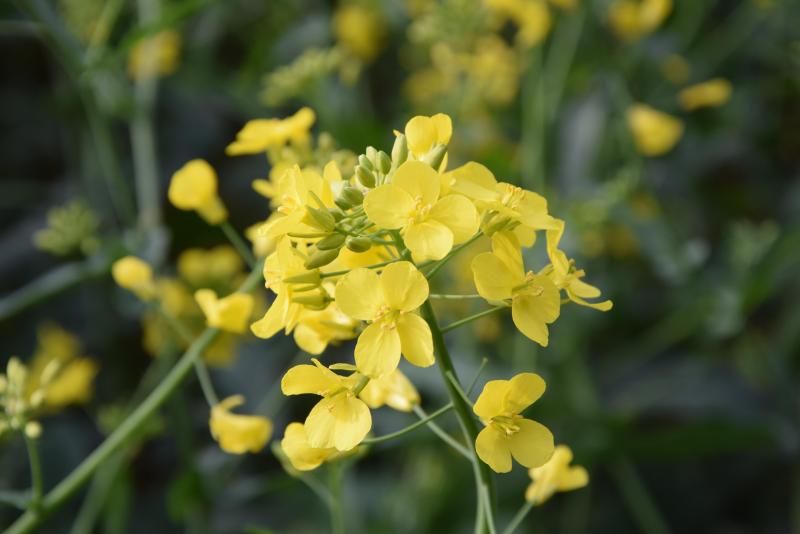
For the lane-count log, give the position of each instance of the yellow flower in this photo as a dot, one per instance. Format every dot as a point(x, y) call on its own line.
point(135, 275)
point(261, 134)
point(507, 433)
point(238, 434)
point(565, 276)
point(633, 19)
point(654, 132)
point(555, 475)
point(500, 276)
point(285, 262)
point(155, 56)
point(296, 190)
point(230, 313)
point(430, 224)
point(387, 302)
point(317, 328)
point(194, 187)
point(531, 16)
point(713, 93)
point(203, 268)
point(72, 384)
point(394, 390)
point(359, 30)
point(303, 456)
point(423, 133)
point(501, 205)
point(340, 420)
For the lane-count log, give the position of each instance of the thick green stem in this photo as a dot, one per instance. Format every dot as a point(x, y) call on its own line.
point(127, 429)
point(483, 477)
point(36, 472)
point(335, 484)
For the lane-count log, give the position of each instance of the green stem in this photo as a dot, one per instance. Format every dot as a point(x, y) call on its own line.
point(444, 436)
point(36, 472)
point(483, 477)
point(471, 318)
point(336, 482)
point(344, 272)
point(518, 518)
point(477, 375)
point(457, 387)
point(413, 426)
point(51, 284)
point(239, 243)
point(127, 429)
point(441, 263)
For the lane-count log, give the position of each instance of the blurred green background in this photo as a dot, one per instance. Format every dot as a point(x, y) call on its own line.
point(683, 401)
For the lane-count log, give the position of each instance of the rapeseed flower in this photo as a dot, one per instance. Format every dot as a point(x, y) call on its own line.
point(135, 275)
point(394, 390)
point(633, 19)
point(235, 433)
point(259, 135)
point(301, 455)
point(712, 93)
point(194, 188)
point(230, 313)
point(555, 475)
point(654, 132)
point(424, 133)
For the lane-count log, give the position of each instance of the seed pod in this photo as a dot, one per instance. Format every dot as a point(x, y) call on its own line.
point(384, 162)
point(333, 241)
point(366, 178)
point(353, 195)
point(321, 219)
point(320, 258)
point(308, 277)
point(358, 244)
point(399, 150)
point(363, 161)
point(435, 156)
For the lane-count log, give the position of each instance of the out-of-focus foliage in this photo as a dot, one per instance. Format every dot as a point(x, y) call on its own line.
point(664, 133)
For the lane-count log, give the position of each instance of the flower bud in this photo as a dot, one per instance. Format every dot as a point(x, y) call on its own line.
point(358, 244)
point(320, 258)
point(315, 301)
point(435, 156)
point(353, 195)
point(333, 241)
point(337, 214)
point(399, 150)
point(321, 219)
point(308, 277)
point(366, 177)
point(371, 153)
point(384, 162)
point(364, 161)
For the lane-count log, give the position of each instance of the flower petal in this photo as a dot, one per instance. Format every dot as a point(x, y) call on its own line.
point(421, 134)
point(404, 287)
point(458, 213)
point(429, 240)
point(492, 448)
point(273, 320)
point(341, 421)
point(358, 294)
point(475, 181)
point(490, 401)
point(493, 279)
point(419, 180)
point(532, 445)
point(416, 341)
point(523, 390)
point(377, 351)
point(388, 206)
point(306, 378)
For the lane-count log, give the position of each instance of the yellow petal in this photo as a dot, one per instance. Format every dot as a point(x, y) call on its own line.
point(230, 313)
point(419, 180)
point(394, 390)
point(341, 421)
point(491, 401)
point(523, 390)
point(492, 447)
point(458, 214)
point(711, 93)
point(377, 350)
point(358, 294)
point(654, 132)
point(444, 128)
point(404, 287)
point(193, 185)
point(314, 379)
point(493, 279)
point(532, 313)
point(238, 434)
point(421, 133)
point(474, 181)
point(532, 445)
point(302, 456)
point(428, 240)
point(273, 320)
point(416, 341)
point(388, 206)
point(507, 248)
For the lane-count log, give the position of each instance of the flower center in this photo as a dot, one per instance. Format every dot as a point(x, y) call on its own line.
point(508, 424)
point(512, 196)
point(420, 212)
point(386, 317)
point(529, 287)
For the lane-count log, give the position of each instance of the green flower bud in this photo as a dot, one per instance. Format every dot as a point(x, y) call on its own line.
point(342, 203)
point(358, 244)
point(337, 214)
point(435, 156)
point(371, 153)
point(399, 150)
point(321, 219)
point(308, 277)
point(320, 258)
point(353, 195)
point(366, 178)
point(384, 162)
point(333, 241)
point(363, 161)
point(315, 301)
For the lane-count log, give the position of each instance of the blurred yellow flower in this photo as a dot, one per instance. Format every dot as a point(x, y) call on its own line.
point(206, 267)
point(303, 456)
point(360, 30)
point(712, 93)
point(158, 55)
point(555, 475)
point(72, 384)
point(340, 420)
point(238, 434)
point(194, 187)
point(654, 132)
point(135, 275)
point(532, 17)
point(261, 134)
point(393, 390)
point(230, 313)
point(387, 301)
point(500, 277)
point(430, 224)
point(633, 19)
point(507, 433)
